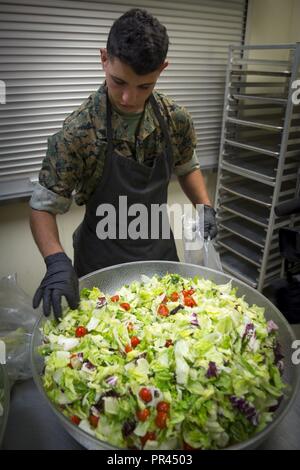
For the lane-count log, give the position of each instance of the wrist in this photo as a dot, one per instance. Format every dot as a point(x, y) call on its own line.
point(51, 249)
point(55, 257)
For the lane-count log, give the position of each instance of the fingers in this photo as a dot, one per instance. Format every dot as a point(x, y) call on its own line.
point(73, 301)
point(213, 231)
point(52, 299)
point(60, 280)
point(56, 303)
point(47, 302)
point(73, 296)
point(37, 298)
point(46, 295)
point(77, 293)
point(206, 233)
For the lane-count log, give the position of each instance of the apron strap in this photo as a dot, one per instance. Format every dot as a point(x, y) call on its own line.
point(159, 117)
point(109, 134)
point(164, 128)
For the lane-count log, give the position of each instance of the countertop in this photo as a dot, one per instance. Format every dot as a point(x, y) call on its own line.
point(32, 425)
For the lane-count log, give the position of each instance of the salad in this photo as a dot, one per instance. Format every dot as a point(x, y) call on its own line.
point(164, 363)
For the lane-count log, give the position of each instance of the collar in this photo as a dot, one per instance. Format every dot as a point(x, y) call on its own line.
point(148, 125)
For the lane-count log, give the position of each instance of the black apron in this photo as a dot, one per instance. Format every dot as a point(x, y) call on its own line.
point(142, 185)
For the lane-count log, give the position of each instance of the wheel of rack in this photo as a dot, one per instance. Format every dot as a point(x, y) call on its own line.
point(259, 159)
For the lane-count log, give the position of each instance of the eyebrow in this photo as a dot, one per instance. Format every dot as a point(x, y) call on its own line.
point(121, 80)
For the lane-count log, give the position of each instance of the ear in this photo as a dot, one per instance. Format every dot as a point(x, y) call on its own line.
point(104, 57)
point(164, 65)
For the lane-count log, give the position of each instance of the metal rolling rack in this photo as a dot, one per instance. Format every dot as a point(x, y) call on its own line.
point(259, 159)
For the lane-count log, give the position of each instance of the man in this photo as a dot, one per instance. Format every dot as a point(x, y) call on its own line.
point(125, 139)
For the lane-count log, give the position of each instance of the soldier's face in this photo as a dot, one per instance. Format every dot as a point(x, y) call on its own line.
point(127, 90)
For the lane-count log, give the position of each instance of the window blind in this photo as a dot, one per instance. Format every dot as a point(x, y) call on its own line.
point(49, 63)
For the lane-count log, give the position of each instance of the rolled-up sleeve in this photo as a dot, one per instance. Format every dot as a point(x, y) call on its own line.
point(60, 173)
point(187, 167)
point(185, 142)
point(44, 199)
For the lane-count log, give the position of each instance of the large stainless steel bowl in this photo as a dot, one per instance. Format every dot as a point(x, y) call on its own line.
point(4, 400)
point(111, 279)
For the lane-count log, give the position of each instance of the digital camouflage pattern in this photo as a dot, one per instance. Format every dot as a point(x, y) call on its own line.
point(76, 154)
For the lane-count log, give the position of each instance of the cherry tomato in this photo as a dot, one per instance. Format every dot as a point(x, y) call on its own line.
point(168, 343)
point(130, 327)
point(143, 415)
point(165, 299)
point(163, 310)
point(161, 419)
point(81, 331)
point(115, 298)
point(163, 406)
point(75, 420)
point(145, 394)
point(188, 292)
point(149, 436)
point(189, 302)
point(128, 348)
point(94, 420)
point(125, 306)
point(134, 341)
point(174, 296)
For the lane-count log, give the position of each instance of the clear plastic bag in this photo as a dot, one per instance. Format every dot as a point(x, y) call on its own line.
point(197, 250)
point(17, 319)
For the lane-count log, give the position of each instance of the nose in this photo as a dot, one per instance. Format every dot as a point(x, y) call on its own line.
point(128, 98)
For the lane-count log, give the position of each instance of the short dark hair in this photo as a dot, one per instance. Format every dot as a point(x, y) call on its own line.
point(139, 40)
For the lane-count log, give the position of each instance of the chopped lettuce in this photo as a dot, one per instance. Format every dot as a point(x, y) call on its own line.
point(212, 359)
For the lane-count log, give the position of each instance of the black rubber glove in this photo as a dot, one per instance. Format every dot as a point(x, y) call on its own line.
point(60, 280)
point(210, 224)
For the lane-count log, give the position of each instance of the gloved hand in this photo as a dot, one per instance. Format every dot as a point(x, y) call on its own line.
point(210, 224)
point(60, 280)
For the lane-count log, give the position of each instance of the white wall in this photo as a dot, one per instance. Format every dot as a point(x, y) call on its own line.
point(273, 21)
point(18, 252)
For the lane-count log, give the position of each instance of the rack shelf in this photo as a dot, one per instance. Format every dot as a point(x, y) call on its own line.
point(266, 149)
point(256, 193)
point(255, 167)
point(266, 122)
point(246, 230)
point(238, 268)
point(241, 249)
point(249, 211)
point(259, 159)
point(265, 97)
point(261, 122)
point(262, 73)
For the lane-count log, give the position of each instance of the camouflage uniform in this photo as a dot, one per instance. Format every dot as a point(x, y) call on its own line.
point(76, 154)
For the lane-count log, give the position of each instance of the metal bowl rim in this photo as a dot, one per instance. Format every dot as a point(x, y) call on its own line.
point(6, 401)
point(97, 442)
